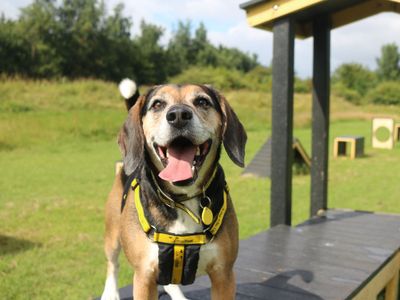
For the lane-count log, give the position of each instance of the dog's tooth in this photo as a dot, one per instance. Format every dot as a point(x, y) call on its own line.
point(205, 148)
point(198, 151)
point(160, 152)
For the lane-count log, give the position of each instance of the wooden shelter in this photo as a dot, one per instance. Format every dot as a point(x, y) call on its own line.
point(287, 19)
point(263, 13)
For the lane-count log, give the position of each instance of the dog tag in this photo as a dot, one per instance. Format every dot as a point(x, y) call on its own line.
point(207, 216)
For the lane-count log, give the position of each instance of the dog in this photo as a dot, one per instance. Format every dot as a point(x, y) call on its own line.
point(169, 207)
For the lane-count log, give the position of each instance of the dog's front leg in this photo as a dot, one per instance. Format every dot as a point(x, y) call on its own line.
point(144, 288)
point(223, 286)
point(111, 287)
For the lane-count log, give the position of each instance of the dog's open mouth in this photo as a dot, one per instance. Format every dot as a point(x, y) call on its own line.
point(181, 159)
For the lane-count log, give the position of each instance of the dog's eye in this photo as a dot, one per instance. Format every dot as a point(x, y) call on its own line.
point(202, 102)
point(158, 105)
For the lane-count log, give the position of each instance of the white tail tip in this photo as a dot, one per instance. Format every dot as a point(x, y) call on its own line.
point(127, 88)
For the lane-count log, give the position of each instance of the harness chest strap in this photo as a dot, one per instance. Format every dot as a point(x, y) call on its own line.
point(168, 238)
point(177, 251)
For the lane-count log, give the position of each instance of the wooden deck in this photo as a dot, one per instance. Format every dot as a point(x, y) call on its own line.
point(330, 257)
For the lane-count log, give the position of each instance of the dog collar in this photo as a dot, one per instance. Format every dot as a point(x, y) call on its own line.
point(206, 216)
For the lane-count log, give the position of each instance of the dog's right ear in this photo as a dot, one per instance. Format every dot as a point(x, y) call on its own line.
point(131, 138)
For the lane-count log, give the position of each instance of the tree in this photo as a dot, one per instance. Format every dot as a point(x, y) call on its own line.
point(355, 77)
point(79, 38)
point(37, 24)
point(386, 93)
point(14, 49)
point(79, 25)
point(388, 63)
point(152, 67)
point(180, 49)
point(199, 43)
point(117, 55)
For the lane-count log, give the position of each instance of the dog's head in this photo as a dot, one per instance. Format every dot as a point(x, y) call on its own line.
point(180, 129)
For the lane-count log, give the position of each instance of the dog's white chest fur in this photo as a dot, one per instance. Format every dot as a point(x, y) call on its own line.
point(184, 224)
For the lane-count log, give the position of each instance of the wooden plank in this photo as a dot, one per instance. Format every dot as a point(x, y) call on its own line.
point(260, 165)
point(356, 236)
point(320, 115)
point(296, 281)
point(397, 131)
point(262, 15)
point(379, 279)
point(282, 122)
point(342, 255)
point(261, 291)
point(392, 289)
point(334, 254)
point(351, 269)
point(356, 146)
point(271, 10)
point(362, 11)
point(355, 220)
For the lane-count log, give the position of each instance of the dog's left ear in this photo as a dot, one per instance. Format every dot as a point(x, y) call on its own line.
point(131, 138)
point(233, 133)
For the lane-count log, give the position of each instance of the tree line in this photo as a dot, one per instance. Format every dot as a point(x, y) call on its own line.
point(360, 85)
point(79, 38)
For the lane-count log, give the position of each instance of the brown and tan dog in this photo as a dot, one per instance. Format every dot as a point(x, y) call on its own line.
point(174, 189)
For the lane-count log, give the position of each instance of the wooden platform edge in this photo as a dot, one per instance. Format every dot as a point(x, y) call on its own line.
point(385, 278)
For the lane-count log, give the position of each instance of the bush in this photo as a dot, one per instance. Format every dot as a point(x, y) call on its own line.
point(387, 93)
point(351, 95)
point(355, 77)
point(302, 86)
point(220, 78)
point(258, 79)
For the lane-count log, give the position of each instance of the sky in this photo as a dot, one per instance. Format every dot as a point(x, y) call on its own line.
point(226, 24)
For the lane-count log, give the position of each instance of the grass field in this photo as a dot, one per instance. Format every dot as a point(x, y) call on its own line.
point(57, 153)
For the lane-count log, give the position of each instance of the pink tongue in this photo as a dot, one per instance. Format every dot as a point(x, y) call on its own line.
point(179, 164)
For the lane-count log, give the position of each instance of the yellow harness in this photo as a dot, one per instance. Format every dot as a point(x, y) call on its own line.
point(179, 246)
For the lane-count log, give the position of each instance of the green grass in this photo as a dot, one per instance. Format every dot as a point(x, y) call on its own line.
point(57, 153)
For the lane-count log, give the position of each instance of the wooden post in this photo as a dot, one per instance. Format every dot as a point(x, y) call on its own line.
point(320, 115)
point(282, 122)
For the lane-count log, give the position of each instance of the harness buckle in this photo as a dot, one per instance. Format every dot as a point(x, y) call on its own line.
point(206, 198)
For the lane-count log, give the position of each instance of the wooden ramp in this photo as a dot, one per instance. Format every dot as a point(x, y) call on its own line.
point(336, 257)
point(260, 166)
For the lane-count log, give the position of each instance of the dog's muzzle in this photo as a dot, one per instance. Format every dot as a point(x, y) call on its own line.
point(179, 116)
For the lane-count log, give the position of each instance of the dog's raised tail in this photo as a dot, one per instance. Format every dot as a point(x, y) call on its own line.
point(129, 92)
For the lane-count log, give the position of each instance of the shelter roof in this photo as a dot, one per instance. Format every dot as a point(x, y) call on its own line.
point(263, 13)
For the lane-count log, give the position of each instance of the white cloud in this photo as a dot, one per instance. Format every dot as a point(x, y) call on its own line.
point(10, 8)
point(248, 39)
point(361, 41)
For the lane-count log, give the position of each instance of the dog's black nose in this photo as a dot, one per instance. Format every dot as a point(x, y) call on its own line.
point(179, 116)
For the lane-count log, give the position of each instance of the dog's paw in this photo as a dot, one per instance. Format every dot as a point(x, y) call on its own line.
point(110, 295)
point(110, 290)
point(175, 292)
